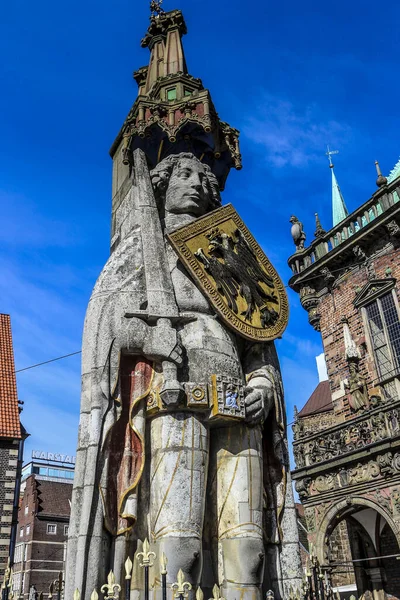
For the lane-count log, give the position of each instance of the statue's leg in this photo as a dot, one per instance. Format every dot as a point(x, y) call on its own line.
point(178, 473)
point(237, 489)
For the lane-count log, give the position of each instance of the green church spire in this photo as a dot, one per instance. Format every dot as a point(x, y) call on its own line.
point(339, 208)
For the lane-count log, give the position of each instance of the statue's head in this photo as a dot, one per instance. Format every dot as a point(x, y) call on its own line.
point(184, 185)
point(293, 219)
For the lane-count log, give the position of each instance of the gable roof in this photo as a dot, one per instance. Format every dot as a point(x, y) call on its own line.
point(320, 401)
point(372, 290)
point(10, 426)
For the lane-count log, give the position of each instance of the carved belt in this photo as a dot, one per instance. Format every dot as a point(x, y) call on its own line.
point(222, 397)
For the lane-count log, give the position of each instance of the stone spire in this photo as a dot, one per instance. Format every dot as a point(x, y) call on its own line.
point(339, 209)
point(319, 230)
point(173, 112)
point(351, 350)
point(381, 179)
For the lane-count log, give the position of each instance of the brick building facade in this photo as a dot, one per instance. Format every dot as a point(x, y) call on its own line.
point(12, 436)
point(347, 437)
point(42, 534)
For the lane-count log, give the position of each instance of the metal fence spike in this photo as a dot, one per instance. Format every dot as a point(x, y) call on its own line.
point(163, 564)
point(128, 568)
point(77, 594)
point(216, 593)
point(94, 595)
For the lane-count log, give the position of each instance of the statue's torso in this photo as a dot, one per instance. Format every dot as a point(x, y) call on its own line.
point(210, 347)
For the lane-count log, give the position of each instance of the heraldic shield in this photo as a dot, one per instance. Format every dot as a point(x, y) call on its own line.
point(229, 267)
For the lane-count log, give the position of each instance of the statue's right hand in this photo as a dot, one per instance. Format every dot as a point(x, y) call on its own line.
point(159, 342)
point(162, 342)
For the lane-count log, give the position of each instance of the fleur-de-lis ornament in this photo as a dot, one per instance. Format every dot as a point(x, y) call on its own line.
point(59, 583)
point(308, 567)
point(51, 590)
point(111, 589)
point(304, 586)
point(181, 587)
point(146, 556)
point(11, 585)
point(216, 593)
point(6, 575)
point(77, 594)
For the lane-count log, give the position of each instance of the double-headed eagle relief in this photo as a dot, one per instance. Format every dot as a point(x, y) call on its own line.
point(230, 267)
point(237, 273)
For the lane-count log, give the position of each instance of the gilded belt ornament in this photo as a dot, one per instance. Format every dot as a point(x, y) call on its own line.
point(230, 268)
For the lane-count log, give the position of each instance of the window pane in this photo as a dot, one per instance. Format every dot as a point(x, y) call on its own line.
point(379, 344)
point(171, 94)
point(393, 325)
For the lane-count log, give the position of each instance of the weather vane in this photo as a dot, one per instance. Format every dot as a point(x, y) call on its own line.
point(155, 7)
point(329, 154)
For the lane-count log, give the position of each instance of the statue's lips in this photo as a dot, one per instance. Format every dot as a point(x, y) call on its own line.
point(193, 197)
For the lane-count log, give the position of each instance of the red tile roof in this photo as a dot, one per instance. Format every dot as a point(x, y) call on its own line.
point(10, 426)
point(320, 401)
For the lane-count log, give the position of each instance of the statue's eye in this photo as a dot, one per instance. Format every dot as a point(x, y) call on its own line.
point(185, 173)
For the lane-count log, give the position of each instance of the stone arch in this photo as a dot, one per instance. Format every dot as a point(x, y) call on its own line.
point(339, 511)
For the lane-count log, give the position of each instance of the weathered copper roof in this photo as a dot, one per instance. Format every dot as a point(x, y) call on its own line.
point(319, 401)
point(10, 426)
point(395, 172)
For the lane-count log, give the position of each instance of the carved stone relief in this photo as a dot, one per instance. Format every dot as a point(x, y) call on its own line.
point(393, 228)
point(310, 518)
point(381, 467)
point(358, 433)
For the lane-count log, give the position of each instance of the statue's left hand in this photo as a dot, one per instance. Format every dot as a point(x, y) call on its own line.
point(258, 401)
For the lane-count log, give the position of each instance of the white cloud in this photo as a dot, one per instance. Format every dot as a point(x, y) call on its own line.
point(293, 135)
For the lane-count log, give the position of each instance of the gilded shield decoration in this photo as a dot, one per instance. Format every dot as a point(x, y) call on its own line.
point(230, 268)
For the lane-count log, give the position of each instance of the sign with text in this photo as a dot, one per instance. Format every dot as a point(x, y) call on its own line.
point(64, 458)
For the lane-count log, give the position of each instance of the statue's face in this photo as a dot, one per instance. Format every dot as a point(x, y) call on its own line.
point(187, 189)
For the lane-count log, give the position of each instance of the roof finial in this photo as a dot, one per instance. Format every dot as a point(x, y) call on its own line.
point(381, 179)
point(319, 230)
point(329, 155)
point(155, 7)
point(339, 208)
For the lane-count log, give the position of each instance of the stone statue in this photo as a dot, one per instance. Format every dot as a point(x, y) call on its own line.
point(33, 595)
point(213, 495)
point(298, 235)
point(357, 387)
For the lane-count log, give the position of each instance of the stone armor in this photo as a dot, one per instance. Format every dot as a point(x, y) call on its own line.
point(213, 494)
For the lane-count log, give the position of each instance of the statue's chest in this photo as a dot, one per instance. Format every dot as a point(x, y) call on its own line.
point(188, 296)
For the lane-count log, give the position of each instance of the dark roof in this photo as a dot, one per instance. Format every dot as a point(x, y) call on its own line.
point(54, 497)
point(320, 401)
point(10, 426)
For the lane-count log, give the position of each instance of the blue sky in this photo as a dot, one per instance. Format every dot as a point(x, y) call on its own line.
point(292, 76)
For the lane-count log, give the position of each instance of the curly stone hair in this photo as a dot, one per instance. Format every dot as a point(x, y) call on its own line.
point(161, 174)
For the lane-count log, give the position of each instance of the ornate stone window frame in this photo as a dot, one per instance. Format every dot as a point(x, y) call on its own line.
point(372, 292)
